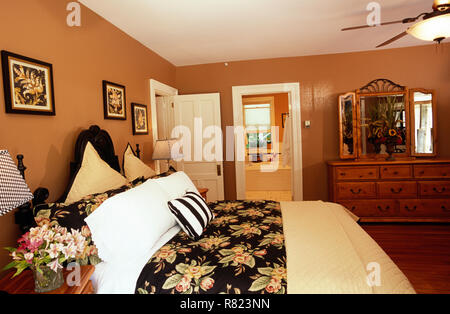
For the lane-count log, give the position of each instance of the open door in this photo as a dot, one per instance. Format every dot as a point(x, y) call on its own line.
point(200, 114)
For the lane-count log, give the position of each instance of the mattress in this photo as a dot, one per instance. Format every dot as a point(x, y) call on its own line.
point(327, 252)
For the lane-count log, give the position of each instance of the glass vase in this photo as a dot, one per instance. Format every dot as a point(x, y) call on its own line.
point(47, 280)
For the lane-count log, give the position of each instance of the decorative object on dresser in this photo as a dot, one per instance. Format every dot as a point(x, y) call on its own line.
point(114, 101)
point(139, 119)
point(24, 283)
point(396, 191)
point(28, 85)
point(14, 191)
point(382, 116)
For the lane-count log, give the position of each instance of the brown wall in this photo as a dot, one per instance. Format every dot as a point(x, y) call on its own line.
point(82, 57)
point(322, 79)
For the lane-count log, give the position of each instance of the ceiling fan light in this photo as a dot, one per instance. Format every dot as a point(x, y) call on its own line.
point(431, 29)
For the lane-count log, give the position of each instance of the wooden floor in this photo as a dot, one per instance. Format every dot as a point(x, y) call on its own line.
point(421, 251)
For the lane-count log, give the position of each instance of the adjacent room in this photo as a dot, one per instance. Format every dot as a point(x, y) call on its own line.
point(254, 147)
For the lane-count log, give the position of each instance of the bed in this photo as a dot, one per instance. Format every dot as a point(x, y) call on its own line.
point(250, 247)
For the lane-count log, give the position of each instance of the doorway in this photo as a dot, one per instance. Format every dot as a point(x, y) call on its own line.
point(247, 180)
point(263, 115)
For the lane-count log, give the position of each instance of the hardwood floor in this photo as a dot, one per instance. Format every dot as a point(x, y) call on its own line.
point(421, 251)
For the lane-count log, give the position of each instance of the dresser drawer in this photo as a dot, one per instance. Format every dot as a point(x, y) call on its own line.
point(356, 190)
point(397, 189)
point(372, 208)
point(434, 188)
point(425, 208)
point(356, 173)
point(396, 172)
point(432, 171)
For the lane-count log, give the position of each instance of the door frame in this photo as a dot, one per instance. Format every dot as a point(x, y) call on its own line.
point(158, 89)
point(293, 89)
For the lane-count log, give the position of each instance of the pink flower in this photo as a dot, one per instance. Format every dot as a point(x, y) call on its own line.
point(29, 257)
point(207, 283)
point(54, 265)
point(184, 284)
point(274, 286)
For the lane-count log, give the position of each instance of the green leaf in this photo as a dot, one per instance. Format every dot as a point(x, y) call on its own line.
point(45, 213)
point(226, 252)
point(267, 271)
point(94, 260)
point(10, 249)
point(251, 262)
point(172, 282)
point(10, 265)
point(142, 291)
point(227, 259)
point(208, 269)
point(260, 283)
point(171, 258)
point(181, 268)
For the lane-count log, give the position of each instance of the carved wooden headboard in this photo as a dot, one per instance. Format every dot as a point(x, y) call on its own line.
point(103, 144)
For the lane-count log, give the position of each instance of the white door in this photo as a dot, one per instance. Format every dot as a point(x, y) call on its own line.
point(200, 114)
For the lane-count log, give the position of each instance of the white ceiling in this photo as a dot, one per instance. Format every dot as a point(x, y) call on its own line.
point(187, 32)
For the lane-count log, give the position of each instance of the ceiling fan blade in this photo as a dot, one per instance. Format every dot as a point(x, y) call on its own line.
point(393, 39)
point(404, 21)
point(367, 26)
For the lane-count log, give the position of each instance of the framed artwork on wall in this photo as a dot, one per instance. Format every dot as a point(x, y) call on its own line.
point(28, 85)
point(140, 119)
point(114, 101)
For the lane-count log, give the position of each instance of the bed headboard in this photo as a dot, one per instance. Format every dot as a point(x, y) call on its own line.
point(102, 143)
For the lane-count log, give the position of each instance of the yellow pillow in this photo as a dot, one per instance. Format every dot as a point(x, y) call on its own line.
point(94, 176)
point(134, 168)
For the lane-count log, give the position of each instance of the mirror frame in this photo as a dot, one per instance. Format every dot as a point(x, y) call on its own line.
point(413, 119)
point(382, 87)
point(341, 131)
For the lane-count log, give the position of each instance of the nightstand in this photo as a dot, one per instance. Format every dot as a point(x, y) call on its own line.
point(203, 192)
point(24, 283)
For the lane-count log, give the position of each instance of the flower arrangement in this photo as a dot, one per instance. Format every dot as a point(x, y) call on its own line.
point(50, 246)
point(383, 125)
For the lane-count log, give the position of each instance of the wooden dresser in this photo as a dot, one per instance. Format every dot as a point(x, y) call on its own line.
point(395, 191)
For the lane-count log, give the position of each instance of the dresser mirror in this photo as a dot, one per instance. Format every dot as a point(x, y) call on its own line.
point(423, 114)
point(386, 120)
point(347, 126)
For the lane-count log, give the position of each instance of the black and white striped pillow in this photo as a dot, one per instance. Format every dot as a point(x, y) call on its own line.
point(192, 214)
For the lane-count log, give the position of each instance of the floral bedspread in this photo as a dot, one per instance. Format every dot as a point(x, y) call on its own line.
point(241, 251)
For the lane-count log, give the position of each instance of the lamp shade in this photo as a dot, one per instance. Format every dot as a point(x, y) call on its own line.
point(163, 150)
point(14, 192)
point(435, 28)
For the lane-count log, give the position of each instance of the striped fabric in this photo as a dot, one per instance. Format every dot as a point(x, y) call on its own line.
point(192, 214)
point(14, 192)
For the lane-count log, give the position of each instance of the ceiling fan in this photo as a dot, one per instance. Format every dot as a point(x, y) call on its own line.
point(434, 26)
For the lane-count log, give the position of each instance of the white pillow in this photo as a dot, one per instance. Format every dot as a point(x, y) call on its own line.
point(94, 176)
point(134, 168)
point(128, 225)
point(177, 185)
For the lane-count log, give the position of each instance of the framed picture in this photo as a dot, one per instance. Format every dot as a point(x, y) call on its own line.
point(28, 85)
point(140, 119)
point(114, 101)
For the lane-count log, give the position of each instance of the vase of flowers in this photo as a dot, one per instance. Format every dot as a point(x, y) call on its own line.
point(44, 249)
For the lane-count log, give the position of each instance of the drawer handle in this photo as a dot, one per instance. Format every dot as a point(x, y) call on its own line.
point(445, 209)
point(383, 210)
point(444, 174)
point(437, 191)
point(398, 191)
point(411, 209)
point(343, 174)
point(354, 207)
point(359, 191)
point(370, 173)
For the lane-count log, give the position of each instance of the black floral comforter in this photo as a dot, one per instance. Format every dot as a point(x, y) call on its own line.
point(241, 251)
